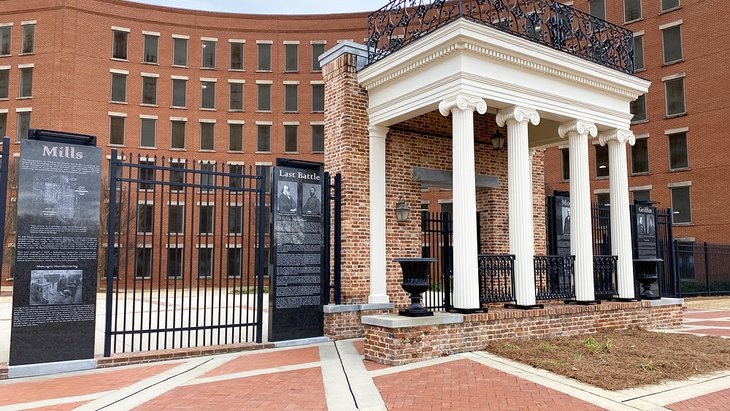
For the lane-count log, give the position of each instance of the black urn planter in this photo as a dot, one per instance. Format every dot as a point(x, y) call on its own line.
point(645, 271)
point(415, 282)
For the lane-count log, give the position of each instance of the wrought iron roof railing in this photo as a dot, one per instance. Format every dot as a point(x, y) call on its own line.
point(401, 22)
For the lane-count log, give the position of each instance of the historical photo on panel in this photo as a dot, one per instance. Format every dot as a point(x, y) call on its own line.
point(312, 199)
point(286, 201)
point(55, 287)
point(59, 196)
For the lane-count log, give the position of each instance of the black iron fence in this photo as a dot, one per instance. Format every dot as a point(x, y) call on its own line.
point(4, 167)
point(604, 276)
point(702, 268)
point(186, 253)
point(496, 278)
point(554, 277)
point(548, 22)
point(437, 235)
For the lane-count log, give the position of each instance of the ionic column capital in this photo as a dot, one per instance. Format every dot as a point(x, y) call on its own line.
point(580, 127)
point(377, 131)
point(517, 114)
point(462, 102)
point(618, 135)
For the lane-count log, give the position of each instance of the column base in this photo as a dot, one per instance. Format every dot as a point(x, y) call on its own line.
point(588, 302)
point(466, 310)
point(525, 307)
point(623, 300)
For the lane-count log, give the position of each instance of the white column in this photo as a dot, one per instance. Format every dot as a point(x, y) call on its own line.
point(581, 232)
point(620, 213)
point(378, 264)
point(466, 263)
point(521, 229)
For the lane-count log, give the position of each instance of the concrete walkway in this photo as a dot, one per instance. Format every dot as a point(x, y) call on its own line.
point(334, 376)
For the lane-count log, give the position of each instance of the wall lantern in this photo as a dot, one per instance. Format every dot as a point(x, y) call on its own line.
point(497, 140)
point(402, 211)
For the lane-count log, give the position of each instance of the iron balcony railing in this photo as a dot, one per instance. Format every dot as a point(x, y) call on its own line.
point(401, 22)
point(496, 278)
point(554, 277)
point(604, 276)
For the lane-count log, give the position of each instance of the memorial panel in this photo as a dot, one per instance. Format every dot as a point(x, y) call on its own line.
point(646, 232)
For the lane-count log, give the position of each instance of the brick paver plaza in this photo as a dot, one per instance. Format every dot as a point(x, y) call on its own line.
point(335, 376)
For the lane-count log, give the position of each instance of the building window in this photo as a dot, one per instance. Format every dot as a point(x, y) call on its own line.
point(681, 205)
point(5, 40)
point(292, 57)
point(174, 262)
point(638, 109)
point(264, 97)
point(263, 138)
point(317, 50)
point(149, 90)
point(236, 56)
point(603, 199)
point(148, 133)
point(3, 124)
point(177, 138)
point(597, 8)
point(640, 156)
point(207, 93)
point(447, 208)
point(26, 82)
point(179, 52)
point(641, 195)
point(178, 178)
point(235, 137)
point(179, 93)
point(205, 262)
point(4, 83)
point(146, 174)
point(234, 181)
point(207, 136)
point(119, 44)
point(290, 139)
point(116, 130)
point(291, 99)
point(669, 5)
point(143, 266)
point(264, 63)
point(150, 48)
point(235, 220)
point(674, 90)
point(672, 42)
point(233, 261)
point(318, 138)
point(632, 10)
point(205, 225)
point(686, 260)
point(119, 88)
point(208, 59)
point(145, 218)
point(639, 53)
point(601, 161)
point(678, 151)
point(565, 163)
point(236, 96)
point(175, 217)
point(317, 97)
point(28, 45)
point(23, 125)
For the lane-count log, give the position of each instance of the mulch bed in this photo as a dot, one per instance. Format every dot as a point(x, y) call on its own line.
point(617, 360)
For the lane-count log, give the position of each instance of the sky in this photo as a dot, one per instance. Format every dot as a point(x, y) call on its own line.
point(274, 6)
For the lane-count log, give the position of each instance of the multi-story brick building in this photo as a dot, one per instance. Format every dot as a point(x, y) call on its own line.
point(680, 157)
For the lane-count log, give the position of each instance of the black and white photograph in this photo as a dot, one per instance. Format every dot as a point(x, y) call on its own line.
point(565, 216)
point(55, 287)
point(60, 196)
point(286, 201)
point(312, 199)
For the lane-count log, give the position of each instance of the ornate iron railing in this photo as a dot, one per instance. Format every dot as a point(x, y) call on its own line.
point(604, 276)
point(401, 22)
point(496, 278)
point(554, 277)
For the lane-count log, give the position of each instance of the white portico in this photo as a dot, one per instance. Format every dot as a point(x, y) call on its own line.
point(543, 96)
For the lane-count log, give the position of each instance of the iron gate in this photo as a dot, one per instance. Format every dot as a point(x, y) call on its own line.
point(186, 253)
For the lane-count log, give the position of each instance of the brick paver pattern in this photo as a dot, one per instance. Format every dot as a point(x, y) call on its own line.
point(468, 385)
point(262, 361)
point(716, 401)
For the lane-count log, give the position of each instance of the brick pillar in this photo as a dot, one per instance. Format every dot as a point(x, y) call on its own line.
point(347, 152)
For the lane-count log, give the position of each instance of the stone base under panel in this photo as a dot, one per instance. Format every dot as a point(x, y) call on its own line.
point(395, 340)
point(342, 322)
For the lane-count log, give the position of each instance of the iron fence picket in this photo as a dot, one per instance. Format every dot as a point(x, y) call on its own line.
point(554, 277)
point(496, 278)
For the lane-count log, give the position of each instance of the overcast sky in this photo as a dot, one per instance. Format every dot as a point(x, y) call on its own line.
point(274, 6)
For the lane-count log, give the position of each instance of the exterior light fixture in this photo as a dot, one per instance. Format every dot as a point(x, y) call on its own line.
point(402, 211)
point(497, 140)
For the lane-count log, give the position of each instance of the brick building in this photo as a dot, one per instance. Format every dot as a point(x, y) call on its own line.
point(679, 159)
